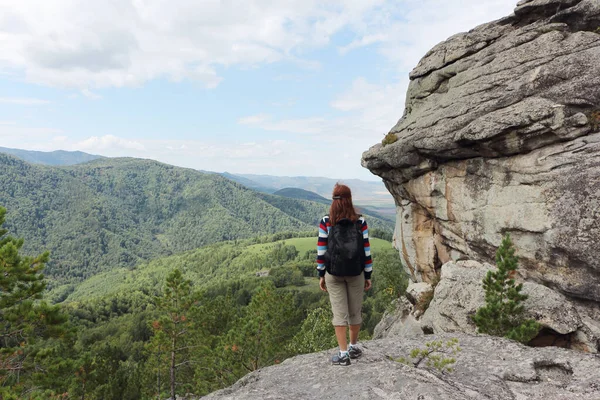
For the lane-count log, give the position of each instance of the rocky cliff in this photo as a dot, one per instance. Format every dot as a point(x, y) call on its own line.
point(501, 134)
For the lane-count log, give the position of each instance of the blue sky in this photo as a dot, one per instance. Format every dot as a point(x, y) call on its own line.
point(260, 86)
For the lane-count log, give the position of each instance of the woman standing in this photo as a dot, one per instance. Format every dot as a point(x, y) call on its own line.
point(345, 266)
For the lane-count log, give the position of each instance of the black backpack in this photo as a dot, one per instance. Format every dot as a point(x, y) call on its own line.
point(345, 255)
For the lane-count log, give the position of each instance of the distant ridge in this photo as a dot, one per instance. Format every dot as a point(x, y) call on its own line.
point(58, 157)
point(297, 193)
point(249, 183)
point(363, 192)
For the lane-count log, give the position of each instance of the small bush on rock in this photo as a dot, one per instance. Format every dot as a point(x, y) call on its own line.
point(436, 354)
point(389, 139)
point(502, 314)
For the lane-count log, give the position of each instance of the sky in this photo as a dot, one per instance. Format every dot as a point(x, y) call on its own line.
point(278, 87)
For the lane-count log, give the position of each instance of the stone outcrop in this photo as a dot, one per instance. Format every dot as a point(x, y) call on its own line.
point(400, 321)
point(486, 368)
point(459, 294)
point(501, 134)
point(419, 294)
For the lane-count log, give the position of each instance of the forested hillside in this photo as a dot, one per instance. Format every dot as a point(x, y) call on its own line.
point(190, 323)
point(114, 213)
point(140, 250)
point(206, 266)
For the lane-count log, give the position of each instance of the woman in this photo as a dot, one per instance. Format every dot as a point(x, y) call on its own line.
point(345, 266)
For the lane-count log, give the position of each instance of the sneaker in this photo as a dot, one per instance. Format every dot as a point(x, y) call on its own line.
point(340, 360)
point(354, 352)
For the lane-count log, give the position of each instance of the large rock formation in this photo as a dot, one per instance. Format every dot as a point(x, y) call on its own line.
point(459, 294)
point(486, 368)
point(501, 134)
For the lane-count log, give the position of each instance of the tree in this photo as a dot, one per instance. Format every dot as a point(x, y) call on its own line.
point(315, 334)
point(24, 319)
point(174, 334)
point(503, 312)
point(260, 337)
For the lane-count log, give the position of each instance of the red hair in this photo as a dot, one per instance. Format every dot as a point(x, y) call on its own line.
point(341, 206)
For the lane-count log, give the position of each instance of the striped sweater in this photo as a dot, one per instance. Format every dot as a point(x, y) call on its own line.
point(324, 228)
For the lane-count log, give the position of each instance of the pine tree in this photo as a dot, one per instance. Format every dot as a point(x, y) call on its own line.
point(503, 313)
point(260, 337)
point(24, 318)
point(174, 334)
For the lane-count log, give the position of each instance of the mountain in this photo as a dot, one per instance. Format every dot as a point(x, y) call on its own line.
point(249, 183)
point(116, 212)
point(363, 192)
point(301, 194)
point(58, 157)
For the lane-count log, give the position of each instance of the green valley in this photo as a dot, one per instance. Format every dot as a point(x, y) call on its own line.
point(152, 266)
point(114, 213)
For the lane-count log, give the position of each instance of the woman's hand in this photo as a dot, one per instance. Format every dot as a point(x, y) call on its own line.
point(367, 284)
point(322, 284)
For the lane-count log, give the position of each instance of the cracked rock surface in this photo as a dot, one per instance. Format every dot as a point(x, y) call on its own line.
point(501, 134)
point(486, 368)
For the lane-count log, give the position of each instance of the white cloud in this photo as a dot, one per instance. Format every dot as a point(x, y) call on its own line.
point(23, 101)
point(89, 45)
point(406, 30)
point(362, 42)
point(402, 31)
point(24, 134)
point(254, 119)
point(90, 95)
point(371, 110)
point(60, 139)
point(108, 142)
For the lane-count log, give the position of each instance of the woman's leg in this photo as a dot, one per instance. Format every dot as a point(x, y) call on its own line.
point(340, 334)
point(338, 296)
point(354, 330)
point(356, 287)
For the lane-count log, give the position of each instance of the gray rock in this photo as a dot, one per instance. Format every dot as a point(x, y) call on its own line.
point(460, 293)
point(501, 134)
point(398, 321)
point(486, 368)
point(418, 292)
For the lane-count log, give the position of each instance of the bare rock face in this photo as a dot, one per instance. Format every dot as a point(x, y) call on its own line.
point(501, 134)
point(486, 368)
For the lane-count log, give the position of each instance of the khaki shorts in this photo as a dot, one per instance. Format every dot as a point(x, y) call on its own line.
point(346, 297)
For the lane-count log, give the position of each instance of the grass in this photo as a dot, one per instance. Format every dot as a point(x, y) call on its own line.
point(305, 244)
point(204, 266)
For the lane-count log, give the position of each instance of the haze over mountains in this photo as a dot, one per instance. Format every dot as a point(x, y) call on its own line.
point(363, 192)
point(58, 157)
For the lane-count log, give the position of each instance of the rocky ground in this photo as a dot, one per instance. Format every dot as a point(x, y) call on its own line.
point(486, 368)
